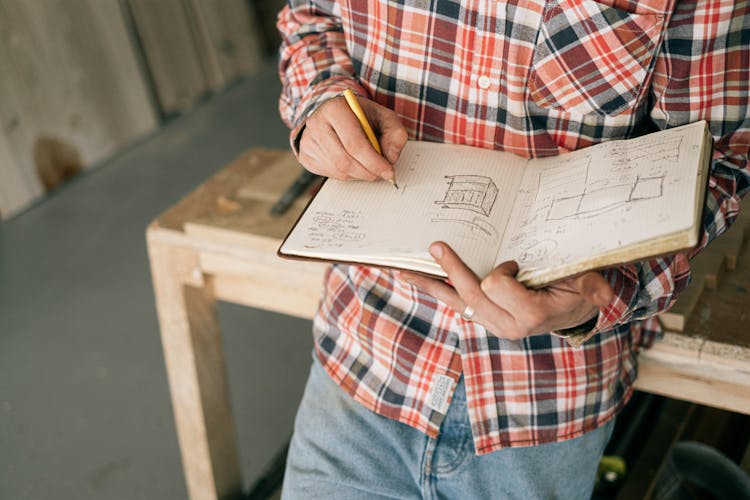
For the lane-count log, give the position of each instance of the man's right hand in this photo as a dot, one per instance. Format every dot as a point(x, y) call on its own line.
point(333, 143)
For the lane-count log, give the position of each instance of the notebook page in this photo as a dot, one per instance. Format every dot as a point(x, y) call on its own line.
point(458, 194)
point(575, 206)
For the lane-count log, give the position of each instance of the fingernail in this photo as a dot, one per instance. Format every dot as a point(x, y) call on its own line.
point(388, 176)
point(392, 155)
point(436, 250)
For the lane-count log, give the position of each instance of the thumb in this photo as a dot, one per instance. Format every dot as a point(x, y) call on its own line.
point(507, 268)
point(595, 289)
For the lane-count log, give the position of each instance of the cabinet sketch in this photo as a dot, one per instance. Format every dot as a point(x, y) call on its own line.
point(594, 200)
point(573, 195)
point(470, 192)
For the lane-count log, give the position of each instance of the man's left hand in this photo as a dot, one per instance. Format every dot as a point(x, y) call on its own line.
point(506, 307)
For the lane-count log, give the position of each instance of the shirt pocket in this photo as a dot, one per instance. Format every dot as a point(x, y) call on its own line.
point(593, 58)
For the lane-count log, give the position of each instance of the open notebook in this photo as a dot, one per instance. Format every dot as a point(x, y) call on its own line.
point(611, 203)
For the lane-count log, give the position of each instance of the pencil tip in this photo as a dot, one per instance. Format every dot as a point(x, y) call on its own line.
point(395, 185)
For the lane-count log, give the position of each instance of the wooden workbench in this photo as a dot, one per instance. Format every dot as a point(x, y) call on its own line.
point(219, 243)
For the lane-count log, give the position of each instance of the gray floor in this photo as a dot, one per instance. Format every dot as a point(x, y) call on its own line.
point(84, 404)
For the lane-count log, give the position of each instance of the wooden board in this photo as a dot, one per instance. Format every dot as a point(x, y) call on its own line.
point(227, 220)
point(708, 361)
point(722, 315)
point(196, 370)
point(227, 38)
point(69, 74)
point(708, 269)
point(245, 184)
point(218, 244)
point(171, 53)
point(195, 47)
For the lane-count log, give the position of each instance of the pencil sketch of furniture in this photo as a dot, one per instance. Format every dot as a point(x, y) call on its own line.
point(470, 192)
point(600, 199)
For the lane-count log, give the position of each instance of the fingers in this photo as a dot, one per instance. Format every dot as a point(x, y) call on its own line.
point(468, 286)
point(346, 166)
point(502, 280)
point(505, 306)
point(436, 288)
point(393, 135)
point(334, 144)
point(322, 150)
point(595, 289)
point(500, 285)
point(462, 278)
point(355, 142)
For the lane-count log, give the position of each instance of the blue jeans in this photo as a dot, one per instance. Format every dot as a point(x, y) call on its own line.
point(341, 450)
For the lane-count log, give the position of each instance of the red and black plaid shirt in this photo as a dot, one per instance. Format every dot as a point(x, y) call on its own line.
point(535, 78)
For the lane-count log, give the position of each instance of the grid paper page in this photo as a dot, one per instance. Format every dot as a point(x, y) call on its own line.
point(457, 194)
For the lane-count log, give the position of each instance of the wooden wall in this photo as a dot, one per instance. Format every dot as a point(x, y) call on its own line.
point(82, 78)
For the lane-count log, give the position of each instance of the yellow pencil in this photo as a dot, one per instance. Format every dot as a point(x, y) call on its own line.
point(351, 100)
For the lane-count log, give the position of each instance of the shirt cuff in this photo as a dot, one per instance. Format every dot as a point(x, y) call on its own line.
point(577, 335)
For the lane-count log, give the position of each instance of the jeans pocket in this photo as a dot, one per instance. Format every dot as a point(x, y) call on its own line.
point(594, 58)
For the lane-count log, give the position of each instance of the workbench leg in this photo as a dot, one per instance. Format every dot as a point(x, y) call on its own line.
point(196, 371)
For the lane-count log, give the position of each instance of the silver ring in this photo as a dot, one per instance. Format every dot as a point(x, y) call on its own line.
point(468, 313)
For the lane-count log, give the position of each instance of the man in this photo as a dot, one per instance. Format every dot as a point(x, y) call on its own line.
point(483, 388)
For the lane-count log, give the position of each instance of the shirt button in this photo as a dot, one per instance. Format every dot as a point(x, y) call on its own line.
point(484, 82)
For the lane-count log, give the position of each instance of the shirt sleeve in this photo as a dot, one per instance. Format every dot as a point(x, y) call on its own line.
point(314, 63)
point(701, 73)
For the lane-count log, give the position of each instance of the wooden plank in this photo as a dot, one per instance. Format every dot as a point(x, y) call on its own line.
point(227, 38)
point(260, 279)
point(71, 78)
point(676, 375)
point(170, 49)
point(254, 292)
point(722, 315)
point(219, 243)
point(709, 362)
point(237, 184)
point(707, 269)
point(193, 353)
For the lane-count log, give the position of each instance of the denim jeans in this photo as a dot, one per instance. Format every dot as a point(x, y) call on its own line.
point(341, 450)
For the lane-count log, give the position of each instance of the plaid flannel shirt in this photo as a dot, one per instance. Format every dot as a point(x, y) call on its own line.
point(535, 78)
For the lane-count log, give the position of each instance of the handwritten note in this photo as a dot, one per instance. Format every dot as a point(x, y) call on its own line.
point(451, 193)
point(600, 199)
point(334, 228)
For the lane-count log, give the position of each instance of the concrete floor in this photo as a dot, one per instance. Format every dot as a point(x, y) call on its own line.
point(84, 403)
